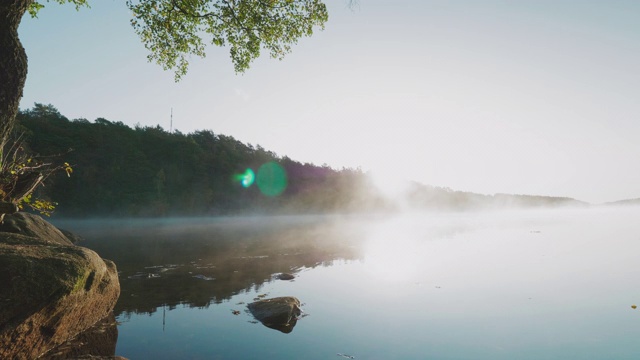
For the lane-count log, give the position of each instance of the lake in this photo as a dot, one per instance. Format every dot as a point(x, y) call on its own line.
point(529, 284)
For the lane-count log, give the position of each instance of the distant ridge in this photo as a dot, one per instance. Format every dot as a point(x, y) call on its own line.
point(624, 202)
point(432, 197)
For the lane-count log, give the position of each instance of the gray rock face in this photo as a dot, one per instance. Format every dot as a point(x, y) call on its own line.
point(50, 289)
point(279, 313)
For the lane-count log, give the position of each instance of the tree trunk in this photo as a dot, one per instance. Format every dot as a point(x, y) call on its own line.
point(13, 63)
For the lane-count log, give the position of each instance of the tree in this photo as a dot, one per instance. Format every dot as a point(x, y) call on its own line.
point(13, 61)
point(171, 30)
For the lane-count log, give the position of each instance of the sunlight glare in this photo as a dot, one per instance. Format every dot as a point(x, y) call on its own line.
point(390, 183)
point(395, 253)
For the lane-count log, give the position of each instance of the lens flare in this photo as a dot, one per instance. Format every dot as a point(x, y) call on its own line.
point(271, 179)
point(247, 178)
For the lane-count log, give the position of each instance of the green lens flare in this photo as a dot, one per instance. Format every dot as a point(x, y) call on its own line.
point(247, 178)
point(271, 179)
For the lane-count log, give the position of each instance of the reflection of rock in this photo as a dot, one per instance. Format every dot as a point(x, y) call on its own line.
point(278, 313)
point(98, 342)
point(50, 289)
point(285, 276)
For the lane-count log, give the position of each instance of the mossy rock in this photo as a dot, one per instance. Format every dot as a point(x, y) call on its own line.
point(51, 289)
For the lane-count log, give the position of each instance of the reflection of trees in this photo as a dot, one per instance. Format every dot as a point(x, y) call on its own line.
point(158, 261)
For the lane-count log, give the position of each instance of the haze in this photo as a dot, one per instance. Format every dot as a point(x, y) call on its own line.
point(527, 97)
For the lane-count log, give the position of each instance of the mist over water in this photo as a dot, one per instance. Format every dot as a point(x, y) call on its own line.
point(524, 284)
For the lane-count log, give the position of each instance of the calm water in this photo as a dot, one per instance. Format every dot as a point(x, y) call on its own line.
point(555, 284)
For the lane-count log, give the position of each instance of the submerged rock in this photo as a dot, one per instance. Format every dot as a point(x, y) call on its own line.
point(279, 313)
point(285, 276)
point(50, 289)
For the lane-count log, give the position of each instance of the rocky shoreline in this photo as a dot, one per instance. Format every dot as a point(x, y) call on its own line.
point(51, 290)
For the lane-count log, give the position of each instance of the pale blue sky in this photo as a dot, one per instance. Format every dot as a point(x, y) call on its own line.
point(527, 97)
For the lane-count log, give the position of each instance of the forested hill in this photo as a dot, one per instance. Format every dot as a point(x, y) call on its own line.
point(147, 171)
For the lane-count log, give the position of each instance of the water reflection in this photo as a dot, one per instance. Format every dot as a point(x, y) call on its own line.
point(198, 262)
point(524, 285)
point(98, 341)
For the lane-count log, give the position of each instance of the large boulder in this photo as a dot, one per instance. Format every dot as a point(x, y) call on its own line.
point(50, 289)
point(279, 313)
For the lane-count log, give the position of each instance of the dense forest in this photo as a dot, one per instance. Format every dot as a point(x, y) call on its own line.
point(148, 171)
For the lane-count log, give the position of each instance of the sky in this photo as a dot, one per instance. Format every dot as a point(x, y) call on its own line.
point(532, 97)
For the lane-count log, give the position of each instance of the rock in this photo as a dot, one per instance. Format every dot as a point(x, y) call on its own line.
point(33, 226)
point(279, 313)
point(74, 238)
point(50, 289)
point(285, 276)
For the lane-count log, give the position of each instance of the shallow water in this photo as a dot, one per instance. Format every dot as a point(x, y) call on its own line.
point(553, 284)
